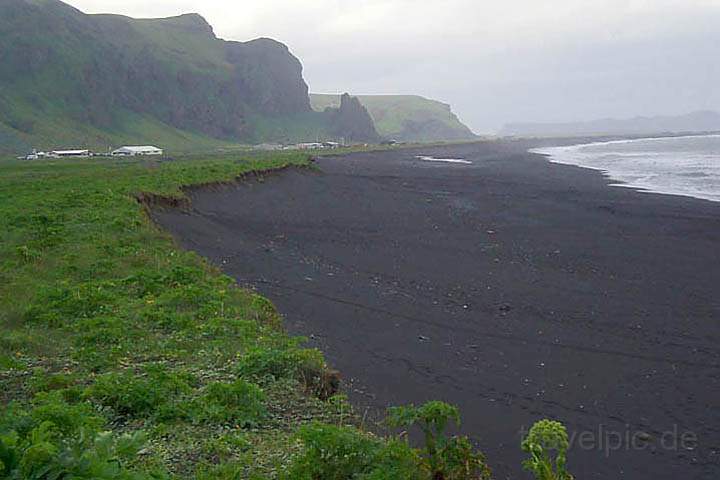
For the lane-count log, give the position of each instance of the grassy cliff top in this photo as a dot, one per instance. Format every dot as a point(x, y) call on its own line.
point(409, 118)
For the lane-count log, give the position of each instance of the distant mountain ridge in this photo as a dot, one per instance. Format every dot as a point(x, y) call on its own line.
point(408, 118)
point(71, 79)
point(700, 121)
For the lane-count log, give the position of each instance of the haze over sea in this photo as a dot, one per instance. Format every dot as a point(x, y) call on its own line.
point(688, 166)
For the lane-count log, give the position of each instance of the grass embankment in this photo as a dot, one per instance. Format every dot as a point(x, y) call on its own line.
point(108, 326)
point(123, 357)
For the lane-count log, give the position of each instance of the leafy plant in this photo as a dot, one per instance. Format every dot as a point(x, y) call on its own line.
point(138, 396)
point(56, 440)
point(42, 381)
point(397, 461)
point(60, 305)
point(43, 455)
point(226, 445)
point(445, 458)
point(279, 362)
point(9, 363)
point(102, 456)
point(288, 361)
point(239, 402)
point(66, 418)
point(334, 453)
point(340, 453)
point(544, 439)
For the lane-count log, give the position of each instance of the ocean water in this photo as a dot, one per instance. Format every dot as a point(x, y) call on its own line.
point(688, 166)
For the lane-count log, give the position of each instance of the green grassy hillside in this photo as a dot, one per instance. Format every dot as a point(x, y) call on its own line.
point(407, 118)
point(58, 132)
point(71, 79)
point(75, 79)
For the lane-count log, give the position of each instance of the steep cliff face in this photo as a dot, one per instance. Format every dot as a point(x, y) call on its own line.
point(74, 78)
point(268, 76)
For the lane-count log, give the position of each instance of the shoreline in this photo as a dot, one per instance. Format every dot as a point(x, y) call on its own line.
point(615, 177)
point(513, 287)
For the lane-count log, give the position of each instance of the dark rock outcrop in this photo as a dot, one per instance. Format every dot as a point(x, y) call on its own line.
point(352, 121)
point(268, 76)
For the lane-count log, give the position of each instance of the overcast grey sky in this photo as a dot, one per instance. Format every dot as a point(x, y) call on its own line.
point(494, 61)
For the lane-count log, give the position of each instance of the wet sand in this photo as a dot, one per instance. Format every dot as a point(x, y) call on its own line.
point(514, 288)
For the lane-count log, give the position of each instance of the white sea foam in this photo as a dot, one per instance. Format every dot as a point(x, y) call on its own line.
point(447, 160)
point(688, 166)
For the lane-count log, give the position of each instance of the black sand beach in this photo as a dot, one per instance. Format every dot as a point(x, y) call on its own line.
point(512, 287)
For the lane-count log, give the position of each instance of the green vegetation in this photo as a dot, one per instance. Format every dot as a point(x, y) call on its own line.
point(406, 118)
point(125, 357)
point(333, 452)
point(339, 453)
point(444, 458)
point(64, 83)
point(39, 457)
point(108, 327)
point(295, 128)
point(95, 81)
point(545, 438)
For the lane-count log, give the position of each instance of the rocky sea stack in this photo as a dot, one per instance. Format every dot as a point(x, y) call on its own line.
point(352, 121)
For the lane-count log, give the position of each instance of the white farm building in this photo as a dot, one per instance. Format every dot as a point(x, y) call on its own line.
point(69, 153)
point(137, 150)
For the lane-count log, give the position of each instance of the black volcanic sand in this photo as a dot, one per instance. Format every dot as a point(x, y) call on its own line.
point(514, 288)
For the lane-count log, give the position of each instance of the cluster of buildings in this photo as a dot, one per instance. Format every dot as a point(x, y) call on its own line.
point(126, 151)
point(317, 145)
point(142, 150)
point(131, 151)
point(299, 146)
